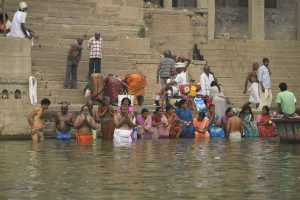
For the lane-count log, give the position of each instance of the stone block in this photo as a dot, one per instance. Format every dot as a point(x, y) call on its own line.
point(134, 3)
point(129, 12)
point(135, 44)
point(14, 47)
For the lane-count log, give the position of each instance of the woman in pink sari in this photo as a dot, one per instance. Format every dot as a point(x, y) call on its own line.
point(160, 124)
point(265, 125)
point(201, 124)
point(144, 122)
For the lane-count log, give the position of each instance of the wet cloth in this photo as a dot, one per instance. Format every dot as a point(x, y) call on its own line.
point(122, 137)
point(142, 124)
point(63, 136)
point(201, 126)
point(268, 128)
point(186, 115)
point(84, 138)
point(254, 93)
point(248, 131)
point(235, 137)
point(213, 129)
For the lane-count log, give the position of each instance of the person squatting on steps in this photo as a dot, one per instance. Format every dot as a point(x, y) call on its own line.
point(73, 59)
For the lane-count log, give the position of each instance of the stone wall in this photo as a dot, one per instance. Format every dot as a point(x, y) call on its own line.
point(15, 67)
point(232, 19)
point(170, 30)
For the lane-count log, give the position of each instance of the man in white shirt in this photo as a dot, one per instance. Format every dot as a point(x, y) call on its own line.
point(18, 27)
point(265, 92)
point(205, 80)
point(172, 87)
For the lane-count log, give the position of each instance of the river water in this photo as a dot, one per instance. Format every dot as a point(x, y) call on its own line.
point(165, 169)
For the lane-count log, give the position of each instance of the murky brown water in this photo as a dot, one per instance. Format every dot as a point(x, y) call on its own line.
point(165, 169)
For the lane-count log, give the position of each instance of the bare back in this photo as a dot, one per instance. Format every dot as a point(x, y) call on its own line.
point(234, 124)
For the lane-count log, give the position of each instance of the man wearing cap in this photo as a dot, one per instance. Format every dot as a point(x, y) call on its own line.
point(205, 80)
point(18, 27)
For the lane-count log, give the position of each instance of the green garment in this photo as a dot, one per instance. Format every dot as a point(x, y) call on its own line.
point(287, 100)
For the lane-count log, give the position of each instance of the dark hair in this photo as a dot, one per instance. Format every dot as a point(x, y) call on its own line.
point(267, 109)
point(265, 59)
point(214, 83)
point(126, 98)
point(283, 87)
point(181, 102)
point(211, 105)
point(168, 107)
point(158, 108)
point(201, 114)
point(145, 110)
point(229, 109)
point(248, 108)
point(45, 101)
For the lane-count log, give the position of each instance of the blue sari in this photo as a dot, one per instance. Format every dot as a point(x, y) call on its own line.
point(213, 129)
point(186, 115)
point(247, 129)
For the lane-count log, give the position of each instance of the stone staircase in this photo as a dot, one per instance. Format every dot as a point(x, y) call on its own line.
point(59, 23)
point(231, 60)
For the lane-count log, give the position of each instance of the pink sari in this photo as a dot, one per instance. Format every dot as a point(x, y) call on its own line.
point(144, 128)
point(161, 131)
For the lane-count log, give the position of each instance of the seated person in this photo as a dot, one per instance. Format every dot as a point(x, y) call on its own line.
point(160, 125)
point(214, 127)
point(286, 100)
point(124, 124)
point(172, 87)
point(84, 124)
point(7, 23)
point(144, 123)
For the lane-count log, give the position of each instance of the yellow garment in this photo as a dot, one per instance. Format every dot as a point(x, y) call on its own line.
point(193, 91)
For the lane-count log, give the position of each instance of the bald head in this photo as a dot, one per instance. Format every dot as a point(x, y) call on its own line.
point(206, 69)
point(255, 66)
point(64, 107)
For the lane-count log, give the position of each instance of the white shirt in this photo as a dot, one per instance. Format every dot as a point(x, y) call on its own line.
point(178, 79)
point(205, 81)
point(183, 76)
point(264, 76)
point(16, 30)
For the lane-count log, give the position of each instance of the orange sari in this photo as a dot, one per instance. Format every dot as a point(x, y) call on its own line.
point(201, 126)
point(136, 85)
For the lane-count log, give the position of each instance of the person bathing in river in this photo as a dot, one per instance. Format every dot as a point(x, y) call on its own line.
point(64, 122)
point(234, 126)
point(36, 122)
point(124, 124)
point(84, 124)
point(106, 116)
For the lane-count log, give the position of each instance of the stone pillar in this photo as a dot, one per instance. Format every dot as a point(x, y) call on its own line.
point(168, 4)
point(256, 19)
point(211, 20)
point(298, 20)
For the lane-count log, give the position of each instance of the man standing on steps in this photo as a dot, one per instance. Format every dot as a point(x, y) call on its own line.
point(74, 57)
point(205, 80)
point(265, 92)
point(94, 45)
point(254, 87)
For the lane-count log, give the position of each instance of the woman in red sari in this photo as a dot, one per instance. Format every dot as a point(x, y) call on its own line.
point(173, 121)
point(265, 125)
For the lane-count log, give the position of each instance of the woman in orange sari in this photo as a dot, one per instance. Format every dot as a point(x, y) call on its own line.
point(173, 121)
point(201, 124)
point(136, 86)
point(265, 125)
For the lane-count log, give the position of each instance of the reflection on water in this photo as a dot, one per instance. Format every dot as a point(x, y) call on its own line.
point(165, 169)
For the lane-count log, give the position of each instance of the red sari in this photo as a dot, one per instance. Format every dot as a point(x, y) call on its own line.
point(175, 127)
point(266, 127)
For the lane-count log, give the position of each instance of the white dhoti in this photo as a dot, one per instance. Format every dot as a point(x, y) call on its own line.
point(122, 137)
point(254, 93)
point(175, 90)
point(265, 98)
point(235, 137)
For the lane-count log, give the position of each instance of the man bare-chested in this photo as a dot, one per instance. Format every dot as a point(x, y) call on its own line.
point(64, 122)
point(254, 92)
point(36, 122)
point(234, 126)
